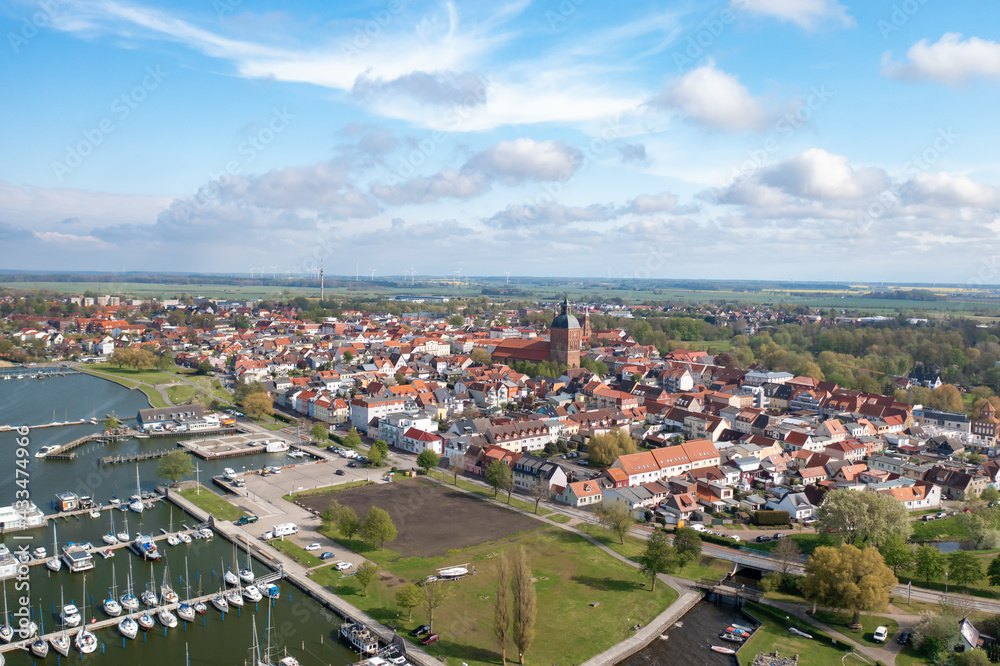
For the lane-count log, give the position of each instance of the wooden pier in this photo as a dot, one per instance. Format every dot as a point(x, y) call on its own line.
point(135, 457)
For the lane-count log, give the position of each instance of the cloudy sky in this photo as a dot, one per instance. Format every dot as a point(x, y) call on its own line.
point(793, 139)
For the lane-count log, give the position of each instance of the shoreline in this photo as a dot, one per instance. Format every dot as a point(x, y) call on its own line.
point(121, 381)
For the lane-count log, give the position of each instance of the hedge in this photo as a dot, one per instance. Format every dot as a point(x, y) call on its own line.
point(771, 518)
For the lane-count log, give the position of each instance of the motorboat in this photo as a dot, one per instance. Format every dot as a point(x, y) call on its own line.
point(229, 473)
point(732, 638)
point(69, 616)
point(722, 650)
point(219, 601)
point(252, 594)
point(289, 661)
point(29, 630)
point(359, 637)
point(86, 641)
point(184, 537)
point(269, 590)
point(166, 618)
point(44, 451)
point(145, 547)
point(799, 632)
point(206, 533)
point(145, 621)
point(128, 627)
point(95, 513)
point(453, 573)
point(39, 553)
point(173, 540)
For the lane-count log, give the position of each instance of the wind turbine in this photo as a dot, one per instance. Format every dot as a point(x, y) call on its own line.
point(252, 269)
point(413, 272)
point(274, 271)
point(373, 273)
point(288, 273)
point(508, 277)
point(459, 272)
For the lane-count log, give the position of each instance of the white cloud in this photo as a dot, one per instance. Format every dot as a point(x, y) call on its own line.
point(448, 184)
point(710, 97)
point(652, 203)
point(950, 60)
point(804, 13)
point(523, 159)
point(818, 175)
point(82, 242)
point(944, 189)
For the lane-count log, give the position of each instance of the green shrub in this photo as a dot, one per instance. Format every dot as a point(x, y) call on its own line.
point(770, 518)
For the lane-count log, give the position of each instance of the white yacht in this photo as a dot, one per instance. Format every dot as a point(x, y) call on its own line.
point(229, 473)
point(145, 621)
point(54, 564)
point(123, 536)
point(60, 643)
point(128, 600)
point(6, 631)
point(166, 618)
point(252, 594)
point(70, 616)
point(111, 605)
point(166, 591)
point(172, 540)
point(86, 641)
point(219, 601)
point(234, 597)
point(110, 537)
point(135, 501)
point(185, 538)
point(128, 627)
point(39, 553)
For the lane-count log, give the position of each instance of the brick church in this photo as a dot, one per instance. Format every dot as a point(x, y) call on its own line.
point(566, 336)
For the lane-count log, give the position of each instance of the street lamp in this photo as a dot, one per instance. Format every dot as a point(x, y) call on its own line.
point(946, 586)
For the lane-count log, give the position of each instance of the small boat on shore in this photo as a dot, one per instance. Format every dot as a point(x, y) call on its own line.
point(721, 649)
point(799, 632)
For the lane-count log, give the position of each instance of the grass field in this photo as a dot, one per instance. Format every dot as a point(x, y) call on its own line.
point(570, 575)
point(488, 493)
point(299, 553)
point(773, 635)
point(212, 503)
point(559, 518)
point(950, 528)
point(864, 635)
point(702, 567)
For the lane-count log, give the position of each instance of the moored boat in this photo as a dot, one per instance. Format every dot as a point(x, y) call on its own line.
point(359, 637)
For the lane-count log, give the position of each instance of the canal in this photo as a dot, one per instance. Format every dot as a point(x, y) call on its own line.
point(301, 625)
point(688, 640)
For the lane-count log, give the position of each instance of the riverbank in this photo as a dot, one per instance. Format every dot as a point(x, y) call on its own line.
point(152, 394)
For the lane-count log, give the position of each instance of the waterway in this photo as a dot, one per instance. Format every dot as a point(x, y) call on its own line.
point(687, 640)
point(304, 627)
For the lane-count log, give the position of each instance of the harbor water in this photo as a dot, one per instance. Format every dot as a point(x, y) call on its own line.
point(687, 641)
point(306, 628)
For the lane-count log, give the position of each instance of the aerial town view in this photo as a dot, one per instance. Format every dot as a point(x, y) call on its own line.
point(547, 332)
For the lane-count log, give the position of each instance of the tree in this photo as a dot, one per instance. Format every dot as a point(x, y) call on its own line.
point(990, 495)
point(319, 432)
point(660, 557)
point(366, 574)
point(501, 608)
point(348, 356)
point(540, 492)
point(258, 405)
point(947, 398)
point(481, 356)
point(617, 517)
point(851, 578)
point(897, 553)
point(352, 439)
point(868, 518)
point(993, 571)
point(936, 633)
point(787, 554)
point(499, 476)
point(204, 368)
point(408, 598)
point(525, 607)
point(964, 568)
point(427, 460)
point(175, 466)
point(603, 450)
point(687, 543)
point(377, 527)
point(928, 563)
point(434, 595)
point(348, 523)
point(378, 453)
point(165, 361)
point(111, 423)
point(974, 657)
point(244, 389)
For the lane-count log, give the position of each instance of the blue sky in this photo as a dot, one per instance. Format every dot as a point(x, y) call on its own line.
point(792, 139)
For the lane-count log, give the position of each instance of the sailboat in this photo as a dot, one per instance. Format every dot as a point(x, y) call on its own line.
point(124, 536)
point(68, 614)
point(110, 538)
point(172, 539)
point(61, 642)
point(54, 564)
point(6, 631)
point(40, 646)
point(186, 611)
point(86, 641)
point(145, 621)
point(219, 601)
point(129, 602)
point(166, 592)
point(128, 627)
point(135, 501)
point(230, 577)
point(149, 595)
point(246, 573)
point(111, 605)
point(166, 618)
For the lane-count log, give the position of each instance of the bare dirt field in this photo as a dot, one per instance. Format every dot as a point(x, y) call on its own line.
point(431, 519)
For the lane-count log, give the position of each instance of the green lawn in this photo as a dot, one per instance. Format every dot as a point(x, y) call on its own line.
point(807, 542)
point(703, 567)
point(326, 490)
point(299, 553)
point(212, 503)
point(909, 657)
point(773, 635)
point(944, 529)
point(154, 397)
point(839, 622)
point(271, 426)
point(488, 493)
point(559, 518)
point(181, 393)
point(570, 575)
point(151, 376)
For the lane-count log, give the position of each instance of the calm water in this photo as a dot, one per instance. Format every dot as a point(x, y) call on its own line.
point(300, 624)
point(688, 644)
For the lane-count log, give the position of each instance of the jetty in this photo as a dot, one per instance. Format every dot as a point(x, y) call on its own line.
point(35, 373)
point(135, 457)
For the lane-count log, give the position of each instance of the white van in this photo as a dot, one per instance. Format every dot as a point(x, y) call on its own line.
point(699, 528)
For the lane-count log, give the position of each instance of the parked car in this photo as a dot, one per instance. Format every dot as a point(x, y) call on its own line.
point(421, 630)
point(352, 464)
point(340, 472)
point(582, 463)
point(428, 639)
point(943, 514)
point(342, 566)
point(881, 633)
point(763, 538)
point(779, 535)
point(734, 537)
point(904, 638)
point(312, 546)
point(327, 555)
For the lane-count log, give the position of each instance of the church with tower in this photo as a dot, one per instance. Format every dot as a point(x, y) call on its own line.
point(566, 336)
